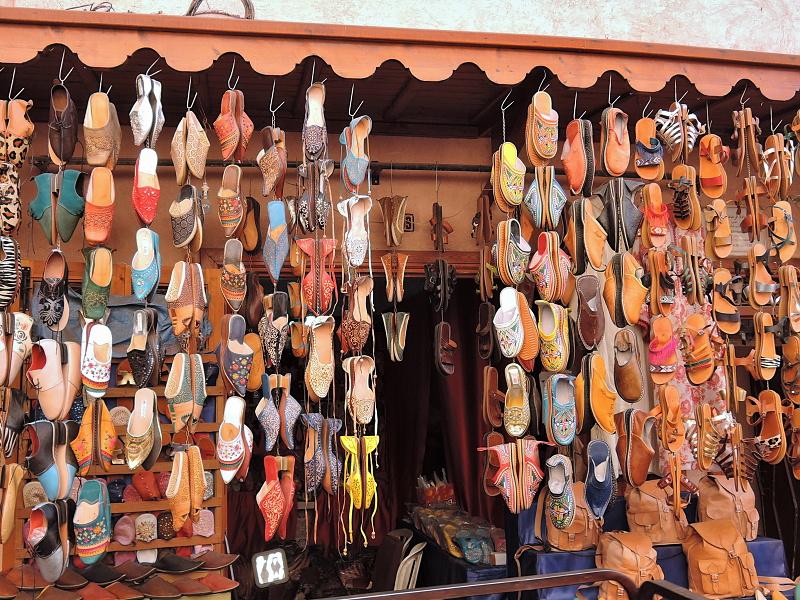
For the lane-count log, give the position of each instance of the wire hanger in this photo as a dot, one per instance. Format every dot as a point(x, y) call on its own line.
point(189, 105)
point(541, 83)
point(350, 110)
point(11, 87)
point(610, 103)
point(62, 79)
point(575, 108)
point(708, 119)
point(235, 83)
point(153, 64)
point(100, 87)
point(772, 127)
point(742, 99)
point(313, 70)
point(675, 93)
point(645, 114)
point(503, 108)
point(275, 109)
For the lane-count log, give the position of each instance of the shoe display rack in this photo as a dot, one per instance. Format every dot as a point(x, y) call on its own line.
point(14, 552)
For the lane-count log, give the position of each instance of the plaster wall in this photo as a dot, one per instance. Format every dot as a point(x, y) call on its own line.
point(759, 25)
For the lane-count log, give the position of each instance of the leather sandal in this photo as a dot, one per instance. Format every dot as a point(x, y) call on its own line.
point(698, 355)
point(628, 378)
point(484, 330)
point(790, 368)
point(781, 230)
point(649, 162)
point(767, 411)
point(444, 348)
point(710, 431)
point(656, 217)
point(492, 398)
point(726, 313)
point(672, 430)
point(767, 359)
point(718, 239)
point(755, 220)
point(789, 304)
point(762, 286)
point(661, 351)
point(686, 204)
point(713, 156)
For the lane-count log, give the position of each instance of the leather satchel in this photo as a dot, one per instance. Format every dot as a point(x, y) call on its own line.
point(631, 554)
point(582, 534)
point(651, 513)
point(719, 498)
point(719, 563)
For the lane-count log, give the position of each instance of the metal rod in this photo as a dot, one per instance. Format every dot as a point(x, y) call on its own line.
point(374, 166)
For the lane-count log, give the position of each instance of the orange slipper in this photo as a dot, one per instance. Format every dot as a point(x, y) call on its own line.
point(99, 210)
point(530, 343)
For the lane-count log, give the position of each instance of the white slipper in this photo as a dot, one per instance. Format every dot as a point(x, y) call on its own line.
point(230, 442)
point(508, 324)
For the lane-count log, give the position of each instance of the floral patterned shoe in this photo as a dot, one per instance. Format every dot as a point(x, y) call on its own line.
point(356, 240)
point(554, 336)
point(274, 329)
point(178, 392)
point(319, 371)
point(146, 264)
point(517, 411)
point(289, 410)
point(233, 278)
point(96, 282)
point(231, 206)
point(270, 498)
point(315, 133)
point(333, 465)
point(96, 349)
point(560, 500)
point(558, 408)
point(231, 441)
point(500, 474)
point(92, 521)
point(276, 243)
point(508, 324)
point(313, 457)
point(267, 413)
point(235, 357)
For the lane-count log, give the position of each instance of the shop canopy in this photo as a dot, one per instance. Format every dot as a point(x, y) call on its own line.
point(415, 82)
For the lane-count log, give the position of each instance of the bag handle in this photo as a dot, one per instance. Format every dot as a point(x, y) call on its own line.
point(522, 550)
point(778, 584)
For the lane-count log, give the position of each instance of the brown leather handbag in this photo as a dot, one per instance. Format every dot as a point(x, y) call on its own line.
point(719, 563)
point(630, 553)
point(582, 534)
point(719, 498)
point(650, 512)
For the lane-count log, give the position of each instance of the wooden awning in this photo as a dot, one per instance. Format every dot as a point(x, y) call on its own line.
point(106, 40)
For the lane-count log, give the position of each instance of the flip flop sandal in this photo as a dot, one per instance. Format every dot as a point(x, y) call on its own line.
point(790, 368)
point(713, 156)
point(492, 398)
point(726, 314)
point(767, 411)
point(656, 217)
point(789, 304)
point(767, 361)
point(698, 356)
point(781, 230)
point(649, 163)
point(762, 286)
point(718, 238)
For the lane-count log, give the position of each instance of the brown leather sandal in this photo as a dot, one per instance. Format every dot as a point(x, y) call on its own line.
point(726, 313)
point(767, 411)
point(698, 355)
point(790, 369)
point(492, 398)
point(767, 359)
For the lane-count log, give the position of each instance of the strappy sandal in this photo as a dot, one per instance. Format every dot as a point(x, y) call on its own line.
point(671, 431)
point(492, 398)
point(670, 129)
point(484, 330)
point(762, 286)
point(790, 369)
point(767, 411)
point(656, 217)
point(649, 163)
point(781, 230)
point(686, 204)
point(755, 220)
point(789, 303)
point(719, 240)
point(739, 458)
point(698, 356)
point(684, 484)
point(767, 359)
point(709, 436)
point(691, 270)
point(793, 453)
point(726, 314)
point(662, 285)
point(772, 164)
point(661, 351)
point(713, 156)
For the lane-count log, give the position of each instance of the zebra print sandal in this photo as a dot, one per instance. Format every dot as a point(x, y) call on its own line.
point(12, 420)
point(9, 271)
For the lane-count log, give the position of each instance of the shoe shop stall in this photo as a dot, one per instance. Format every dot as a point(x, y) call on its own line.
point(414, 307)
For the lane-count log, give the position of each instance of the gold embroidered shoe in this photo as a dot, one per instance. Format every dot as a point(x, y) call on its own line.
point(139, 434)
point(319, 371)
point(517, 411)
point(554, 336)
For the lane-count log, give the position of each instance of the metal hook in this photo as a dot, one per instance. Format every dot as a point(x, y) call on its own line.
point(772, 127)
point(541, 83)
point(189, 105)
point(503, 108)
point(351, 112)
point(63, 78)
point(11, 87)
point(644, 110)
point(742, 100)
point(708, 119)
point(153, 64)
point(313, 70)
point(575, 107)
point(233, 68)
point(108, 91)
point(610, 103)
point(277, 108)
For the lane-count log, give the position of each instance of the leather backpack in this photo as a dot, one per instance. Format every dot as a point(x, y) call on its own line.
point(718, 498)
point(719, 563)
point(631, 554)
point(650, 512)
point(582, 534)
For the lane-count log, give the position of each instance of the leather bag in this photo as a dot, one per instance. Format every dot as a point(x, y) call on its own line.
point(631, 554)
point(651, 513)
point(582, 534)
point(719, 563)
point(718, 498)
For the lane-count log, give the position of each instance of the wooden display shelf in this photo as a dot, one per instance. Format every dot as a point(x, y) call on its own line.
point(166, 429)
point(176, 542)
point(144, 506)
point(128, 391)
point(159, 467)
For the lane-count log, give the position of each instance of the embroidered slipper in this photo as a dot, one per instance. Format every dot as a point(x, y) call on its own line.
point(146, 264)
point(508, 324)
point(543, 269)
point(146, 189)
point(235, 357)
point(726, 313)
point(231, 208)
point(230, 441)
point(661, 351)
point(92, 521)
point(315, 133)
point(99, 210)
point(52, 297)
point(244, 124)
point(512, 174)
point(554, 347)
point(177, 493)
point(517, 411)
point(492, 398)
point(789, 304)
point(530, 332)
point(718, 238)
point(225, 125)
point(270, 498)
point(233, 278)
point(649, 163)
point(762, 286)
point(541, 130)
point(359, 396)
point(781, 230)
point(698, 356)
point(276, 242)
point(96, 355)
point(713, 156)
point(686, 204)
point(767, 359)
point(656, 217)
point(559, 408)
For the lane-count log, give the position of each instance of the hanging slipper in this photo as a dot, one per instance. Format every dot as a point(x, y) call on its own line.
point(517, 411)
point(789, 304)
point(245, 126)
point(698, 356)
point(614, 141)
point(649, 163)
point(530, 332)
point(225, 125)
point(276, 242)
point(231, 439)
point(486, 312)
point(767, 359)
point(726, 313)
point(146, 189)
point(444, 349)
point(781, 230)
point(762, 286)
point(718, 238)
point(177, 493)
point(99, 210)
point(541, 130)
point(661, 351)
point(231, 207)
point(713, 156)
point(233, 279)
point(577, 157)
point(512, 174)
point(508, 324)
